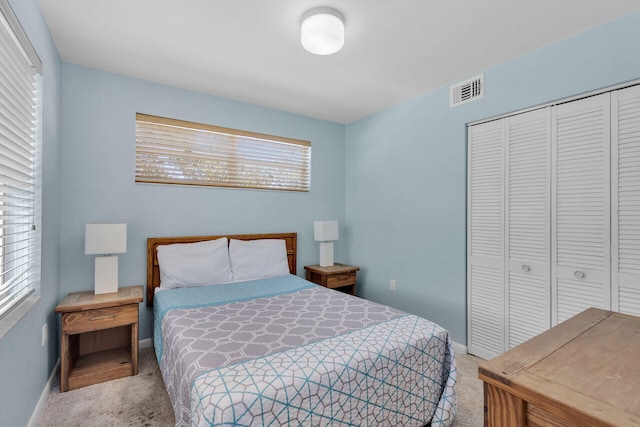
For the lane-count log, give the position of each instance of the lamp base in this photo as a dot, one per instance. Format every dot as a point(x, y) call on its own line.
point(106, 276)
point(326, 254)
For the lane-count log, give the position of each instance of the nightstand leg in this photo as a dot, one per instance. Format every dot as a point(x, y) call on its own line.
point(65, 361)
point(134, 349)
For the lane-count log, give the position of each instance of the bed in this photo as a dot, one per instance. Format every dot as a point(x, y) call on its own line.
point(280, 350)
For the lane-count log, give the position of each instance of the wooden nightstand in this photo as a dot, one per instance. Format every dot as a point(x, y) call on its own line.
point(338, 276)
point(99, 339)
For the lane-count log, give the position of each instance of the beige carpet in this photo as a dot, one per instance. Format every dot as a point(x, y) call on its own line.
point(469, 392)
point(143, 401)
point(131, 401)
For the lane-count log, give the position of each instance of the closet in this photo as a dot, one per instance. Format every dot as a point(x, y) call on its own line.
point(553, 217)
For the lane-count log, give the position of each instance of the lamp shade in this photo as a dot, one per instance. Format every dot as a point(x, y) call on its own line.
point(105, 239)
point(322, 31)
point(325, 231)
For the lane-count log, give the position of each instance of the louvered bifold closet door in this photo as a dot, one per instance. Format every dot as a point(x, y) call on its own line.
point(528, 231)
point(485, 239)
point(625, 151)
point(581, 207)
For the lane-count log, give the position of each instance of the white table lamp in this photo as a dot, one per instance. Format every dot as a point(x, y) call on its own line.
point(106, 239)
point(325, 232)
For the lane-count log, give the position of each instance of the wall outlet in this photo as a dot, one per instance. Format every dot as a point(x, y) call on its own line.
point(45, 334)
point(392, 284)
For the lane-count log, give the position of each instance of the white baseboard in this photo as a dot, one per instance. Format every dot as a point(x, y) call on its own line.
point(43, 396)
point(459, 348)
point(145, 343)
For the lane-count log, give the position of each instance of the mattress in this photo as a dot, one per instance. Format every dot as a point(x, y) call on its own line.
point(286, 351)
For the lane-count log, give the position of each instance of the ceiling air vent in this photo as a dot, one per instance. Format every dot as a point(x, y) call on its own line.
point(468, 90)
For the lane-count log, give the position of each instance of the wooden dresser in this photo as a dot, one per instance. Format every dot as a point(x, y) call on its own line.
point(583, 372)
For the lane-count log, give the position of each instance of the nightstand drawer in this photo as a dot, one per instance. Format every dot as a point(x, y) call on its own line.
point(339, 280)
point(101, 318)
point(338, 276)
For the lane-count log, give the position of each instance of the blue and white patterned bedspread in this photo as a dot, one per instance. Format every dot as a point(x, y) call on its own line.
point(285, 351)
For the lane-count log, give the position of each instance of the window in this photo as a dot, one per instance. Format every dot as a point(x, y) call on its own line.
point(177, 152)
point(20, 111)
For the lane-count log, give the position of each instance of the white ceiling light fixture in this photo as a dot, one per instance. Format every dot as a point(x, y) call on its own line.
point(322, 31)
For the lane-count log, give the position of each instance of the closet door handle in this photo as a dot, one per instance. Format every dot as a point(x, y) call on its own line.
point(579, 274)
point(526, 268)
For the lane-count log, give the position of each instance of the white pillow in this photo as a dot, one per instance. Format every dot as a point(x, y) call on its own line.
point(194, 264)
point(258, 259)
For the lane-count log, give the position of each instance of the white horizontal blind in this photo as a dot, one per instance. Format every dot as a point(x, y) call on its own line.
point(19, 139)
point(177, 152)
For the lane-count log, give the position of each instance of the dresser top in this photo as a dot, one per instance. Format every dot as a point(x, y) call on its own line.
point(589, 363)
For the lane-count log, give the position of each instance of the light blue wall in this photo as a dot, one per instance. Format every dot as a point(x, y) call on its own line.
point(24, 364)
point(98, 167)
point(406, 174)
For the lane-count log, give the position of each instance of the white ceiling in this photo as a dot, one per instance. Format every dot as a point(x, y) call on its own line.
point(250, 50)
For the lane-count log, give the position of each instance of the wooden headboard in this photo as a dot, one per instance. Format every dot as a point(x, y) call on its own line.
point(153, 269)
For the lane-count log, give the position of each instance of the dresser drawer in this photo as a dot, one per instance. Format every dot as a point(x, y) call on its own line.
point(100, 318)
point(339, 280)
